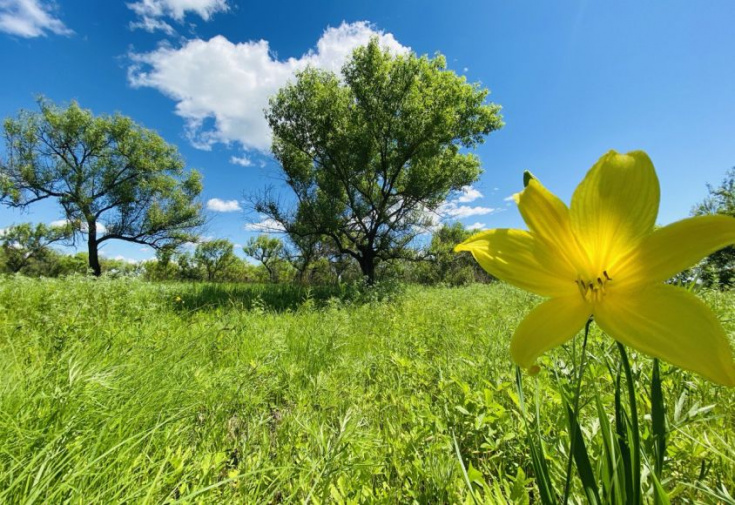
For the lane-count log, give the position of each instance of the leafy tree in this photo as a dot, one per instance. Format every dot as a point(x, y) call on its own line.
point(719, 268)
point(371, 154)
point(112, 178)
point(25, 244)
point(448, 266)
point(215, 257)
point(269, 251)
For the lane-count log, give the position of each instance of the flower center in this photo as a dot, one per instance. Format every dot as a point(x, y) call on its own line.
point(593, 290)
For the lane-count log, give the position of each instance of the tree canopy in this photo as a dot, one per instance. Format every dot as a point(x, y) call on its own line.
point(24, 244)
point(112, 178)
point(268, 250)
point(371, 154)
point(215, 256)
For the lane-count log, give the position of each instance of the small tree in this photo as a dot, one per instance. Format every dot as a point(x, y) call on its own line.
point(719, 268)
point(215, 257)
point(370, 155)
point(112, 178)
point(448, 266)
point(24, 243)
point(269, 251)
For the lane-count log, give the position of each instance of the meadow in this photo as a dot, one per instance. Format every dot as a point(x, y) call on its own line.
point(123, 391)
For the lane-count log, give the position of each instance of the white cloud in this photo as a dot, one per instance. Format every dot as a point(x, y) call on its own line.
point(218, 205)
point(125, 259)
point(30, 18)
point(59, 223)
point(510, 198)
point(453, 211)
point(152, 12)
point(221, 88)
point(477, 226)
point(469, 194)
point(267, 225)
point(243, 161)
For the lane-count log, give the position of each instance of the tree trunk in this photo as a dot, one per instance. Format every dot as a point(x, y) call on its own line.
point(94, 260)
point(367, 266)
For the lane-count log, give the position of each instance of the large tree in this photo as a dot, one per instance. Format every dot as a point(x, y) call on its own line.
point(113, 179)
point(371, 154)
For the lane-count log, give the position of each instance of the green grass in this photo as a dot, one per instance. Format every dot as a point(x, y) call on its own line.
point(117, 391)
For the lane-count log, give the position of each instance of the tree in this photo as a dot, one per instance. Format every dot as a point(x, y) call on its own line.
point(268, 250)
point(719, 267)
point(371, 155)
point(112, 178)
point(24, 244)
point(215, 257)
point(448, 266)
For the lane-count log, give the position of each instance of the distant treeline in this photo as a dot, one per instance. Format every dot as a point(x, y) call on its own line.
point(29, 250)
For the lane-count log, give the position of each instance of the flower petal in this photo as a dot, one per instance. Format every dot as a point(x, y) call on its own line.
point(510, 256)
point(670, 323)
point(675, 247)
point(550, 324)
point(548, 219)
point(615, 207)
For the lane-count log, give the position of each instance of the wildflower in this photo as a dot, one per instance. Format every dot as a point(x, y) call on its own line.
point(601, 257)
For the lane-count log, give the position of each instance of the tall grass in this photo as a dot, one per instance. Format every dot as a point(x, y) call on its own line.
point(118, 391)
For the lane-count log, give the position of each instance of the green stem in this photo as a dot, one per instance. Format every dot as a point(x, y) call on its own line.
point(572, 436)
point(636, 467)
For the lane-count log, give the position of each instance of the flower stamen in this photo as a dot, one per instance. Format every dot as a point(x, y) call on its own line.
point(592, 292)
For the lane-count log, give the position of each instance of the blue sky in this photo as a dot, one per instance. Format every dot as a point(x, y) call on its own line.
point(575, 79)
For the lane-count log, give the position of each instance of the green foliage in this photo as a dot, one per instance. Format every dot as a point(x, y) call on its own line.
point(371, 154)
point(103, 170)
point(26, 248)
point(215, 257)
point(449, 267)
point(719, 268)
point(217, 393)
point(270, 252)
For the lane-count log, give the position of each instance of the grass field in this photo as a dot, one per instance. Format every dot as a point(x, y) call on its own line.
point(120, 391)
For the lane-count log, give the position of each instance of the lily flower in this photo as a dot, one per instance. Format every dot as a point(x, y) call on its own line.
point(602, 258)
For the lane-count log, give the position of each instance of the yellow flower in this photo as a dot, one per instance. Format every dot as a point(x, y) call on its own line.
point(601, 257)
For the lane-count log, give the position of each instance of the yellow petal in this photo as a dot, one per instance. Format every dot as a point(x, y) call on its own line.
point(510, 256)
point(550, 324)
point(675, 247)
point(615, 207)
point(548, 219)
point(672, 324)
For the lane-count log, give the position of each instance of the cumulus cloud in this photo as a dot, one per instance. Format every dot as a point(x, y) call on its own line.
point(151, 13)
point(266, 225)
point(218, 205)
point(30, 18)
point(510, 198)
point(477, 226)
point(221, 87)
point(469, 194)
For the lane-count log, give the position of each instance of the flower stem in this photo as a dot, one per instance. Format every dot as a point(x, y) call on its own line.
point(635, 433)
point(572, 436)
